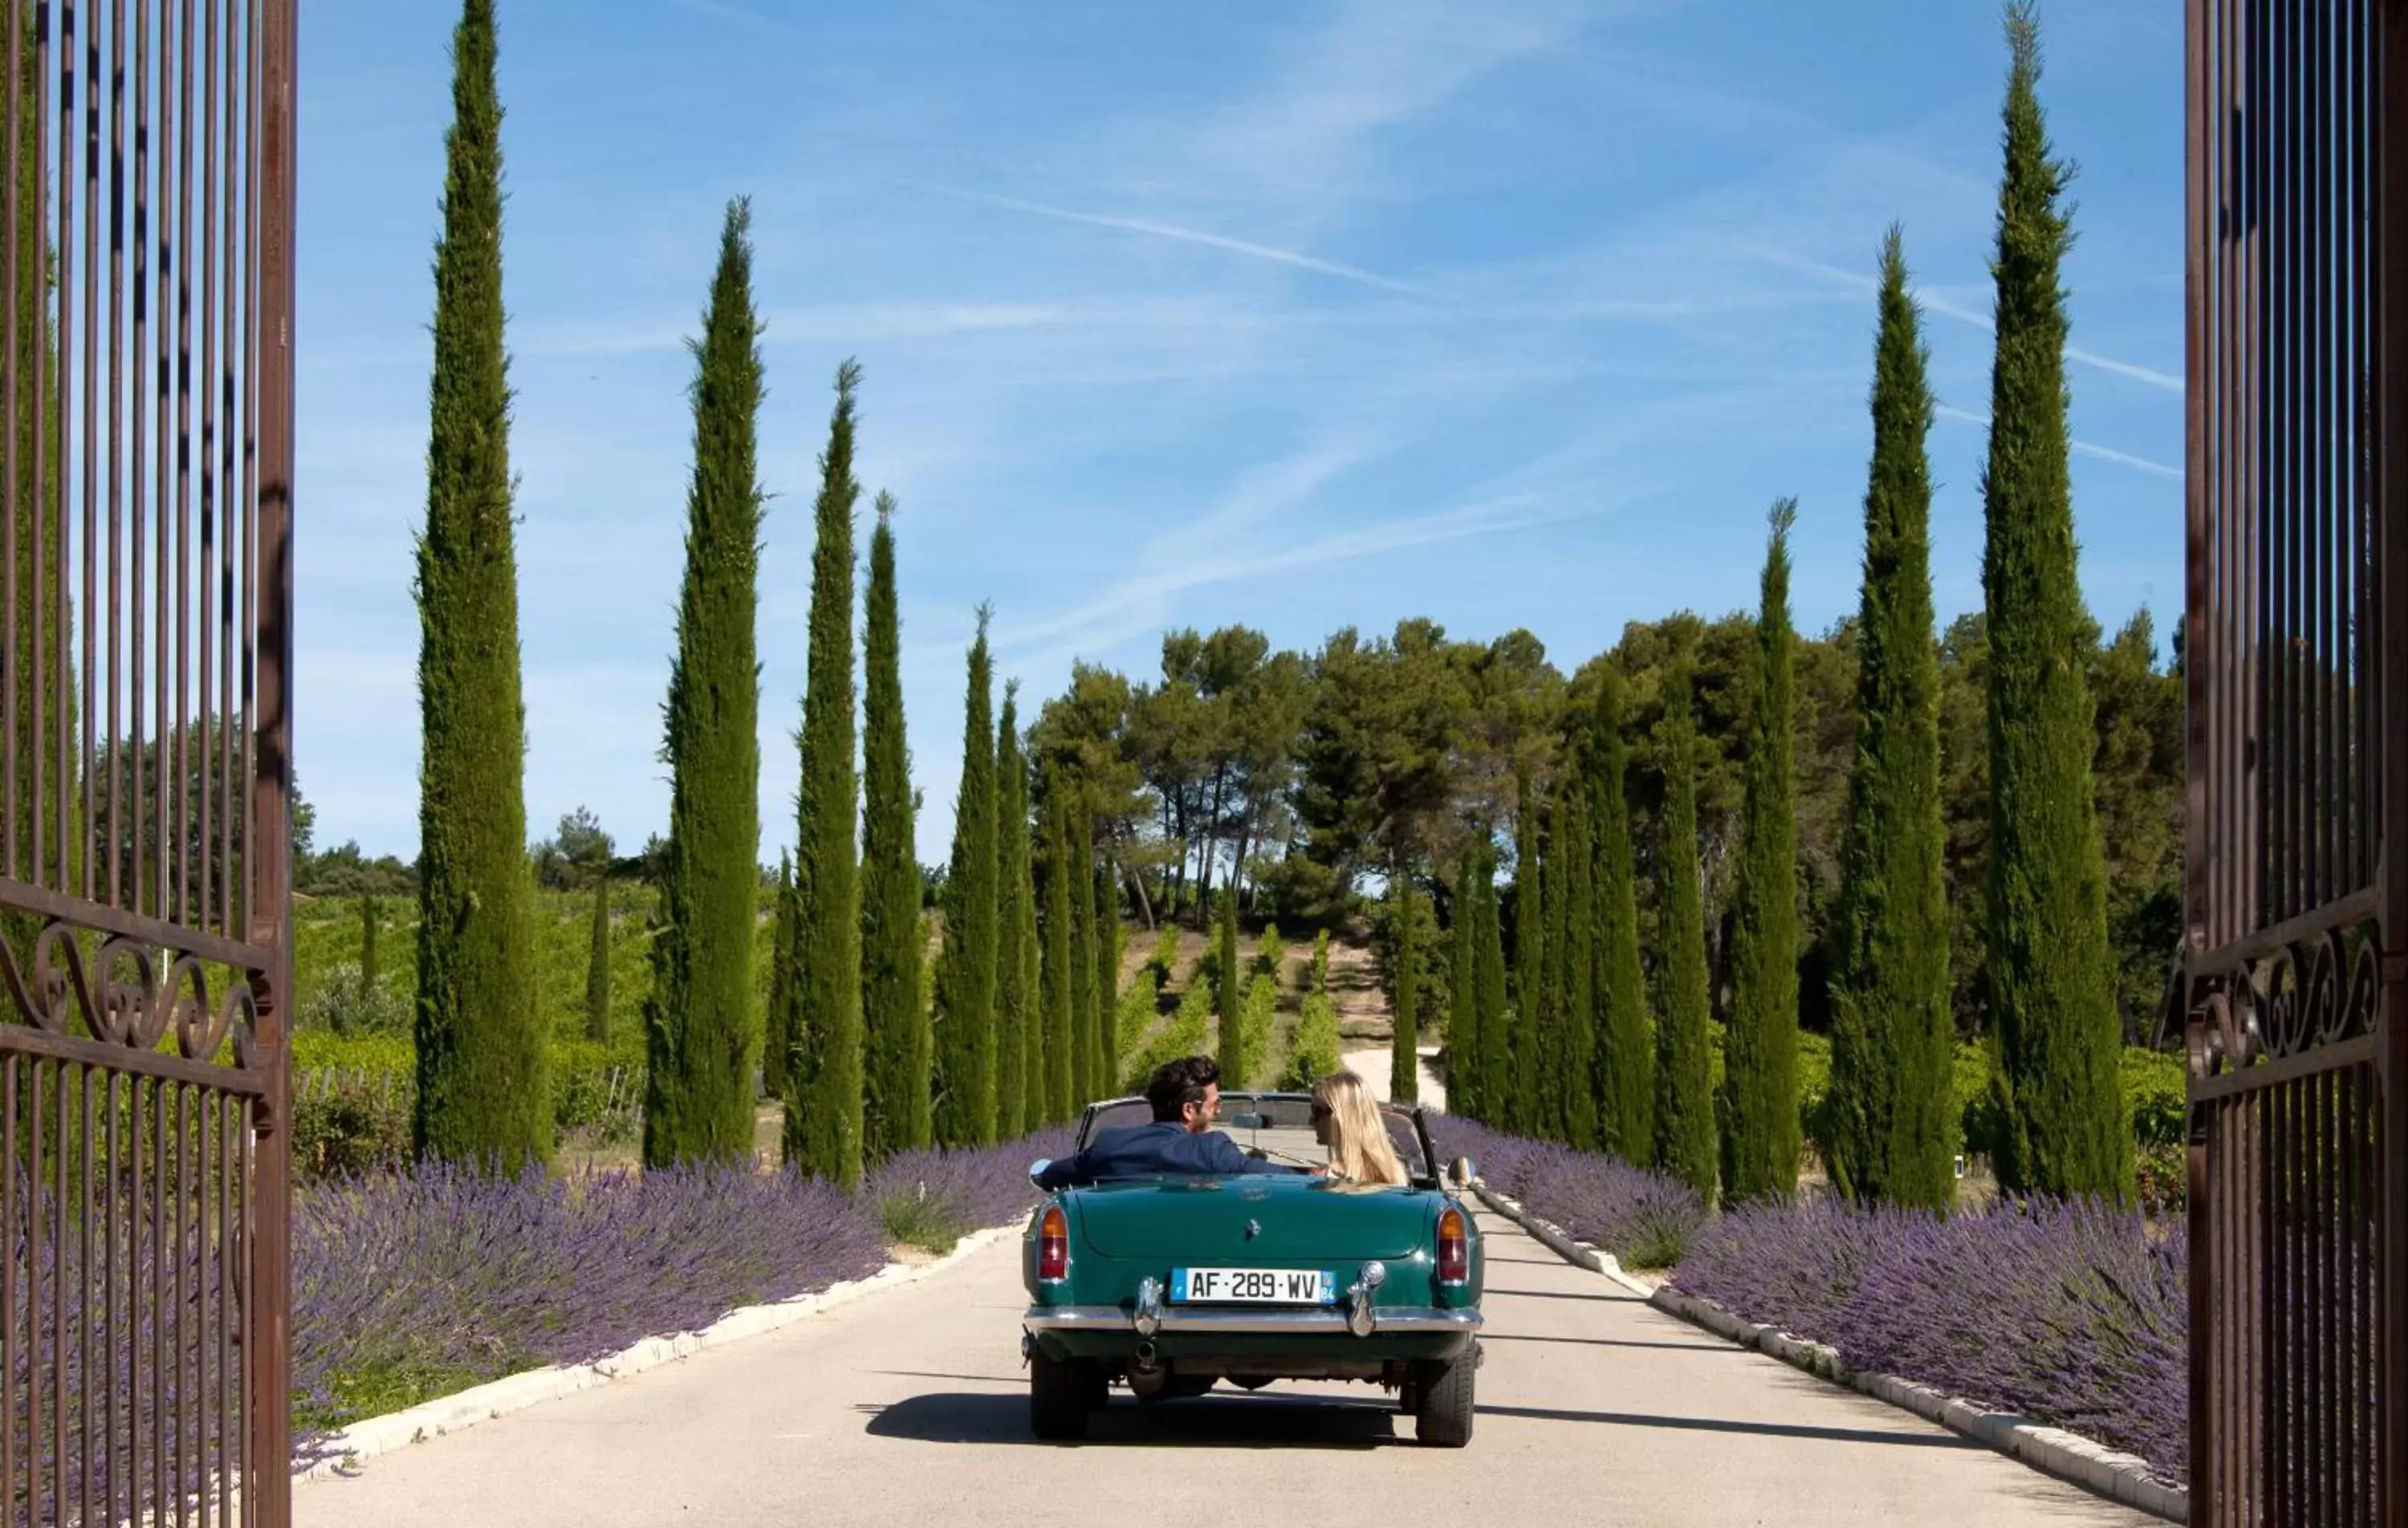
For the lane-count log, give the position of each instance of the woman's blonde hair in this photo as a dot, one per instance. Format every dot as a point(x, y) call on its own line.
point(1359, 1147)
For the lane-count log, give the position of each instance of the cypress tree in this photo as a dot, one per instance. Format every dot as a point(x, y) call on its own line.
point(598, 967)
point(46, 700)
point(1684, 1105)
point(1019, 1092)
point(1530, 961)
point(1555, 996)
point(1404, 1042)
point(823, 1104)
point(1061, 1038)
point(1086, 1066)
point(1488, 957)
point(1576, 851)
point(697, 1025)
point(482, 1095)
point(1463, 998)
point(371, 916)
point(2058, 1033)
point(895, 1042)
point(1107, 981)
point(783, 1024)
point(965, 1021)
point(1889, 1109)
point(1760, 1048)
point(1233, 1058)
point(1627, 1045)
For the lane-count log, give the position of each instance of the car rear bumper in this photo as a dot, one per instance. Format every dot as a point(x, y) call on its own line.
point(1397, 1320)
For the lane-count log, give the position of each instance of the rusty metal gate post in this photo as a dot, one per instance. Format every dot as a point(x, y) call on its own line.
point(146, 689)
point(2296, 654)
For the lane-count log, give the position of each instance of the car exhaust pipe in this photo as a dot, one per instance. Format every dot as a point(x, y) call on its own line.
point(1146, 1357)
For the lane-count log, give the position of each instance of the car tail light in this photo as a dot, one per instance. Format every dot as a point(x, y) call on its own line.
point(1052, 1244)
point(1454, 1249)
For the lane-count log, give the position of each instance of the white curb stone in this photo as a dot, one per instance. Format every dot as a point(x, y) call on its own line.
point(373, 1435)
point(2069, 1456)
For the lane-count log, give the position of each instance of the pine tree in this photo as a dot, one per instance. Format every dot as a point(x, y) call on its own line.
point(1233, 1057)
point(2058, 1033)
point(1889, 1108)
point(1463, 1044)
point(1684, 1105)
point(1523, 1113)
point(698, 1023)
point(965, 1105)
point(483, 1095)
point(1404, 1043)
point(823, 1104)
point(1086, 1066)
point(1760, 1048)
point(1107, 981)
point(1061, 1037)
point(783, 1023)
point(895, 1041)
point(1626, 1044)
point(598, 969)
point(1576, 851)
point(1018, 1091)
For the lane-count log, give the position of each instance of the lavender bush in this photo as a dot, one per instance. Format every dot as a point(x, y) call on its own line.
point(2073, 1314)
point(931, 1198)
point(1645, 1219)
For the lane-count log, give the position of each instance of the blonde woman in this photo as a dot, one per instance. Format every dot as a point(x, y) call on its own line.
point(1346, 1121)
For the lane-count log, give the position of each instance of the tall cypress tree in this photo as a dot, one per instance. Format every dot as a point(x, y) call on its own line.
point(1554, 992)
point(965, 1021)
point(1061, 1032)
point(1489, 965)
point(1463, 996)
point(1530, 961)
point(1576, 851)
point(1086, 1066)
point(1233, 1057)
point(1107, 981)
point(895, 1041)
point(698, 1023)
point(823, 1104)
point(1684, 1105)
point(2058, 1033)
point(783, 1023)
point(1018, 1091)
point(482, 1091)
point(598, 967)
point(1404, 1041)
point(1626, 1044)
point(1761, 1049)
point(1889, 1107)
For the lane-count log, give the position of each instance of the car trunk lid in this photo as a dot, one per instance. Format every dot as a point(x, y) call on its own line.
point(1238, 1221)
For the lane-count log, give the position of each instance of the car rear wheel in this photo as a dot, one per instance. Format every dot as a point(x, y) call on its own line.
point(1442, 1400)
point(1060, 1390)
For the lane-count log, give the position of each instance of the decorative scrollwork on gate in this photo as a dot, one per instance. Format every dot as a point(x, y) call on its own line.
point(119, 998)
point(2321, 989)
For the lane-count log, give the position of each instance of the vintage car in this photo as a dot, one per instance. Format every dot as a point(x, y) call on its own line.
point(1170, 1284)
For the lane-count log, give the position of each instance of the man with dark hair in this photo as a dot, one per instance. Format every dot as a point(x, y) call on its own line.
point(1185, 1096)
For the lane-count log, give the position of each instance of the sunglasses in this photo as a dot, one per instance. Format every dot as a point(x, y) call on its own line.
point(1322, 1112)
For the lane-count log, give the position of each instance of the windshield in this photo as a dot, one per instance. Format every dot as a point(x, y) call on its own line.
point(1279, 1125)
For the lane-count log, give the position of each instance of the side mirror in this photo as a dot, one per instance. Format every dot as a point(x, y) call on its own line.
point(1462, 1172)
point(1039, 1167)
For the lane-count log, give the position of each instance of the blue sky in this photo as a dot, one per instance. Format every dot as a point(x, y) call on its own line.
point(1299, 313)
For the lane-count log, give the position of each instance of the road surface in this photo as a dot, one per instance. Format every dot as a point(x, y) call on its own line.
point(910, 1409)
point(1376, 1067)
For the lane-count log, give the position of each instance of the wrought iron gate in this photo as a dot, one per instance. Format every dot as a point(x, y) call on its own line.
point(2296, 666)
point(146, 406)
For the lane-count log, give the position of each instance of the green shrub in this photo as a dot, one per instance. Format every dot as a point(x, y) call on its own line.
point(1165, 956)
point(319, 1050)
point(915, 1217)
point(350, 1125)
point(1188, 1033)
point(1321, 961)
point(2156, 1092)
point(1272, 957)
point(1257, 1013)
point(1313, 1053)
point(1137, 1013)
point(345, 1003)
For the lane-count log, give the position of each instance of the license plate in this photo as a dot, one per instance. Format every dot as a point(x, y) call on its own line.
point(1254, 1286)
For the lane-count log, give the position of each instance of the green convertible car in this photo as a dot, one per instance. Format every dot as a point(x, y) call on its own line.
point(1170, 1284)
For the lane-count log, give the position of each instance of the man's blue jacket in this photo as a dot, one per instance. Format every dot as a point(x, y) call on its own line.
point(1161, 1150)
